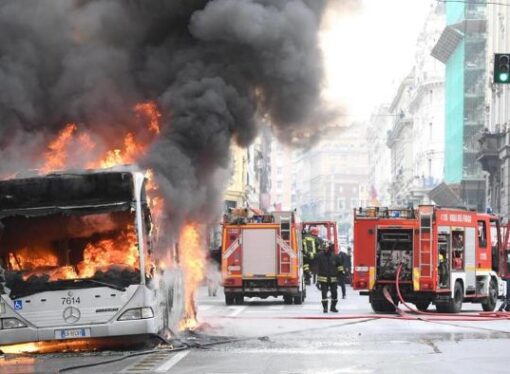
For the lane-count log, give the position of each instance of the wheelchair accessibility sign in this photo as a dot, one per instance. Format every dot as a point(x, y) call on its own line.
point(18, 304)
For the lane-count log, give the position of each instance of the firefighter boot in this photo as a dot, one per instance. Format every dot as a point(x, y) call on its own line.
point(333, 306)
point(325, 306)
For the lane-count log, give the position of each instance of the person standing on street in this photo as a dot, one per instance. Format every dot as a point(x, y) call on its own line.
point(328, 267)
point(342, 274)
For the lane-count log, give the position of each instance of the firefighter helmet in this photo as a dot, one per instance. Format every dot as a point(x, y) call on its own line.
point(314, 231)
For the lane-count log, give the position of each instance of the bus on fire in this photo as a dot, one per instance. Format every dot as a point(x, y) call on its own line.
point(76, 258)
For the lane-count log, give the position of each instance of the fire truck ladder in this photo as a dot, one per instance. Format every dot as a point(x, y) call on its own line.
point(285, 224)
point(425, 245)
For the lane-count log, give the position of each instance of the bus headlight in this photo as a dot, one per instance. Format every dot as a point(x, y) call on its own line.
point(136, 313)
point(12, 323)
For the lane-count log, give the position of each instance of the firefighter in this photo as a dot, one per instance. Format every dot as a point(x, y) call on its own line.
point(328, 266)
point(442, 268)
point(311, 246)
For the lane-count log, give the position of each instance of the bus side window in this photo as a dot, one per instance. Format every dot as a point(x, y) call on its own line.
point(482, 234)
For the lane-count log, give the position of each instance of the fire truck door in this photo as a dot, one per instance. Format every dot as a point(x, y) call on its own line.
point(259, 252)
point(470, 253)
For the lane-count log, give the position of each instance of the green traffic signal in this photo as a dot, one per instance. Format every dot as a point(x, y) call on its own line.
point(502, 68)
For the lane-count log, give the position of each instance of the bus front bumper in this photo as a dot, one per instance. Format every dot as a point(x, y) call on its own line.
point(117, 328)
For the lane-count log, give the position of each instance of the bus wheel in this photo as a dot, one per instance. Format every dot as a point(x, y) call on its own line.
point(455, 305)
point(490, 304)
point(287, 299)
point(422, 305)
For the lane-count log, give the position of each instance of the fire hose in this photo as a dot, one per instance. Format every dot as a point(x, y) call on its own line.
point(485, 316)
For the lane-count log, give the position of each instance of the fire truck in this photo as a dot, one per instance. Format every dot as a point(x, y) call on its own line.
point(261, 257)
point(444, 256)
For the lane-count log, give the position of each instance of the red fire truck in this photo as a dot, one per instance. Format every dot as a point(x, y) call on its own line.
point(261, 257)
point(446, 257)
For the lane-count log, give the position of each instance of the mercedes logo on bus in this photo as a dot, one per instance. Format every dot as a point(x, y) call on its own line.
point(71, 314)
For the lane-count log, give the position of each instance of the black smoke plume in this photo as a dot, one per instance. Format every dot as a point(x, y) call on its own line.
point(213, 67)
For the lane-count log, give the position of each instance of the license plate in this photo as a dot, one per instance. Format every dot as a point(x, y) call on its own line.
point(72, 333)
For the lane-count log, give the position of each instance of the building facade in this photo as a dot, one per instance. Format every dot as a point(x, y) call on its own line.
point(400, 143)
point(416, 138)
point(462, 48)
point(379, 157)
point(331, 179)
point(427, 110)
point(494, 155)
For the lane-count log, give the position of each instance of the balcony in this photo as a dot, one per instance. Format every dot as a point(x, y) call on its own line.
point(488, 155)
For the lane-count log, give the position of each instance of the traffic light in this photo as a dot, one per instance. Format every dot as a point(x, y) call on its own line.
point(502, 68)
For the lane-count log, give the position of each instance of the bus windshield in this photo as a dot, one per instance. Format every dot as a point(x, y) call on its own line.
point(69, 249)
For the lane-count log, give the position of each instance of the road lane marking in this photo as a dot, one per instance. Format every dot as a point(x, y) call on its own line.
point(174, 360)
point(277, 307)
point(236, 311)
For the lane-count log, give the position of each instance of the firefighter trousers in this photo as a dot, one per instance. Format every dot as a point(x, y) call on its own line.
point(329, 286)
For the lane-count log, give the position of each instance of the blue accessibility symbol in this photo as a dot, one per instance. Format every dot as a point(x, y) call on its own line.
point(18, 304)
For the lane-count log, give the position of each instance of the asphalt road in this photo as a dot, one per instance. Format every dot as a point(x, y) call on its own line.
point(266, 336)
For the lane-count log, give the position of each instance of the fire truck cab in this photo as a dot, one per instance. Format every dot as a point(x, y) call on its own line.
point(446, 257)
point(261, 257)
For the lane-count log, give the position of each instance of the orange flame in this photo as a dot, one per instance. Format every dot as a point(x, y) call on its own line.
point(56, 155)
point(192, 256)
point(150, 110)
point(71, 138)
point(104, 253)
point(122, 251)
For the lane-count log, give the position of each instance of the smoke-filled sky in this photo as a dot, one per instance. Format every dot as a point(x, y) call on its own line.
point(213, 67)
point(370, 50)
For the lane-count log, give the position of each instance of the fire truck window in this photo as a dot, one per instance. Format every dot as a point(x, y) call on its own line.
point(482, 234)
point(457, 250)
point(495, 240)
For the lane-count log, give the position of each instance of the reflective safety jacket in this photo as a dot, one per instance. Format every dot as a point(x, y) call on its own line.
point(329, 265)
point(311, 246)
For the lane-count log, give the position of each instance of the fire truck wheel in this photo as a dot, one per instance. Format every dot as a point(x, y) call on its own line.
point(490, 304)
point(229, 300)
point(455, 305)
point(287, 299)
point(382, 306)
point(422, 305)
point(239, 300)
point(299, 298)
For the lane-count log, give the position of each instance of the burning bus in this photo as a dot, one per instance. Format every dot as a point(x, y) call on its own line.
point(76, 256)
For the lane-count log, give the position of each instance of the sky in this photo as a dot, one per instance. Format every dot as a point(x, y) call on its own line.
point(368, 53)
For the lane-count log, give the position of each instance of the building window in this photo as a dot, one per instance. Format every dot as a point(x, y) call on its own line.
point(354, 203)
point(279, 185)
point(341, 204)
point(430, 130)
